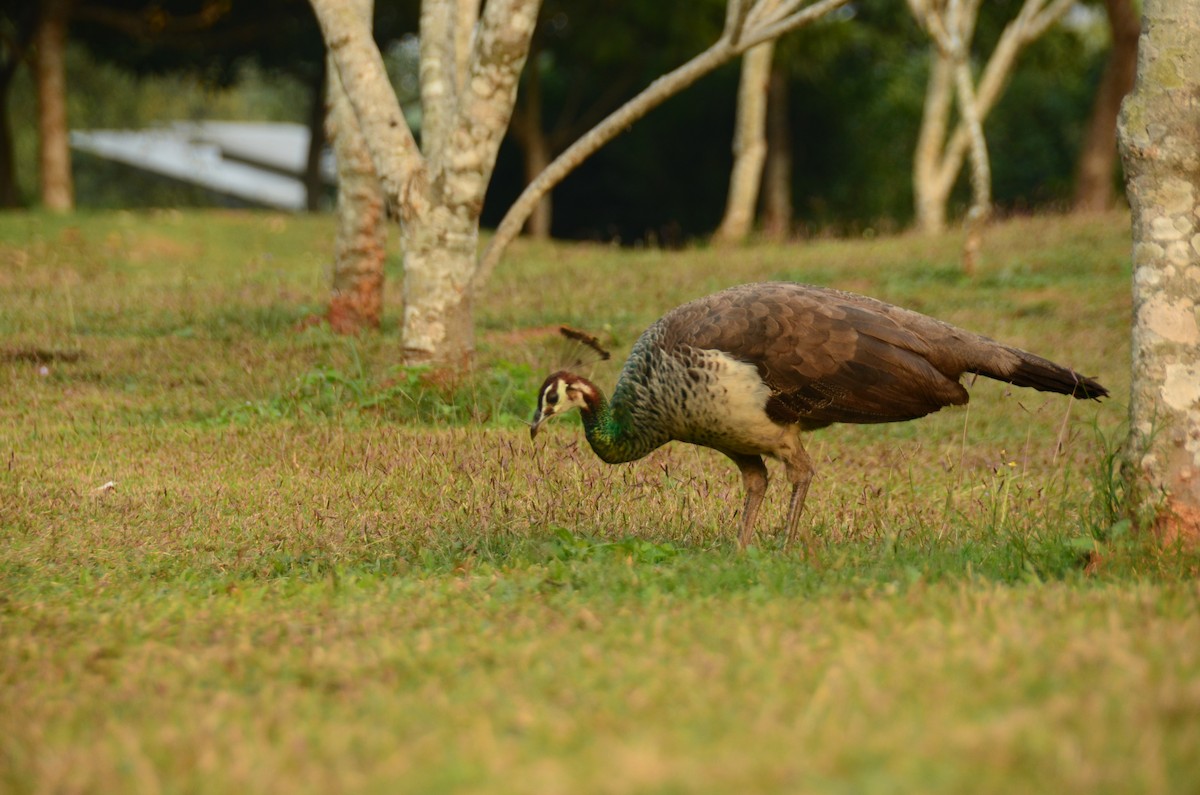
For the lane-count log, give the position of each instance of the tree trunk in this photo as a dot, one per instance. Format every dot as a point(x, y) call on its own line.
point(981, 167)
point(318, 115)
point(54, 154)
point(467, 104)
point(777, 171)
point(13, 54)
point(361, 245)
point(931, 190)
point(10, 196)
point(467, 100)
point(1094, 189)
point(439, 263)
point(749, 146)
point(537, 157)
point(530, 134)
point(1160, 145)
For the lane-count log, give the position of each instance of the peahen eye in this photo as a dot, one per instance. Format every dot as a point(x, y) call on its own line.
point(551, 398)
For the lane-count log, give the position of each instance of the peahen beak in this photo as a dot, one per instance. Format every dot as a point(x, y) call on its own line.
point(538, 419)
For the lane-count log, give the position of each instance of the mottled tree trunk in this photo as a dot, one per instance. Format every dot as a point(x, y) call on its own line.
point(777, 171)
point(54, 154)
point(1160, 144)
point(470, 63)
point(1094, 189)
point(749, 146)
point(439, 263)
point(361, 245)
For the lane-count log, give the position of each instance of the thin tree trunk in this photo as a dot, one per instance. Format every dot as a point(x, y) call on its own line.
point(23, 27)
point(361, 245)
point(777, 171)
point(931, 190)
point(981, 167)
point(537, 157)
point(314, 183)
point(9, 194)
point(529, 131)
point(1160, 146)
point(54, 154)
point(749, 146)
point(1094, 183)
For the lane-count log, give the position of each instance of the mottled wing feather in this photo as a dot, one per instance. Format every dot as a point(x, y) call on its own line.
point(826, 356)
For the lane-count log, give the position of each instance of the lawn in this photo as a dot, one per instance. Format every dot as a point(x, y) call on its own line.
point(239, 553)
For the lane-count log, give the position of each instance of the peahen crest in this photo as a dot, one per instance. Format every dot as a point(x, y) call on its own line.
point(583, 348)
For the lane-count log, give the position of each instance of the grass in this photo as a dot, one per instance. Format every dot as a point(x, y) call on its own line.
point(318, 570)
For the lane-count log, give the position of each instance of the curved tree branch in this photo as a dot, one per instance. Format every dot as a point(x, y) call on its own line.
point(736, 39)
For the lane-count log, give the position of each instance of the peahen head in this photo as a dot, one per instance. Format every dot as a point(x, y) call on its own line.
point(561, 392)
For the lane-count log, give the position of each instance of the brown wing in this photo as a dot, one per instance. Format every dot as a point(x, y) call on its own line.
point(828, 356)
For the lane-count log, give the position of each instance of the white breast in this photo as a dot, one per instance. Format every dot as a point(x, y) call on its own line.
point(727, 408)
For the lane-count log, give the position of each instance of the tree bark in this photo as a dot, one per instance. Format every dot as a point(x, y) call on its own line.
point(1094, 180)
point(777, 172)
point(439, 261)
point(361, 244)
point(1160, 146)
point(54, 154)
point(749, 146)
point(360, 68)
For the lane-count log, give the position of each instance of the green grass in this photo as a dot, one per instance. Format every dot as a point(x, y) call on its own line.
point(321, 571)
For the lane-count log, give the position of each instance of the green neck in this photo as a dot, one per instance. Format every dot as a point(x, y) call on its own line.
point(613, 431)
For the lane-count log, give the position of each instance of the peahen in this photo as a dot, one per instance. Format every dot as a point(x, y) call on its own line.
point(746, 370)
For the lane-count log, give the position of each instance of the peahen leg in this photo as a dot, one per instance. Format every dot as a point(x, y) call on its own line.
point(800, 472)
point(754, 478)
